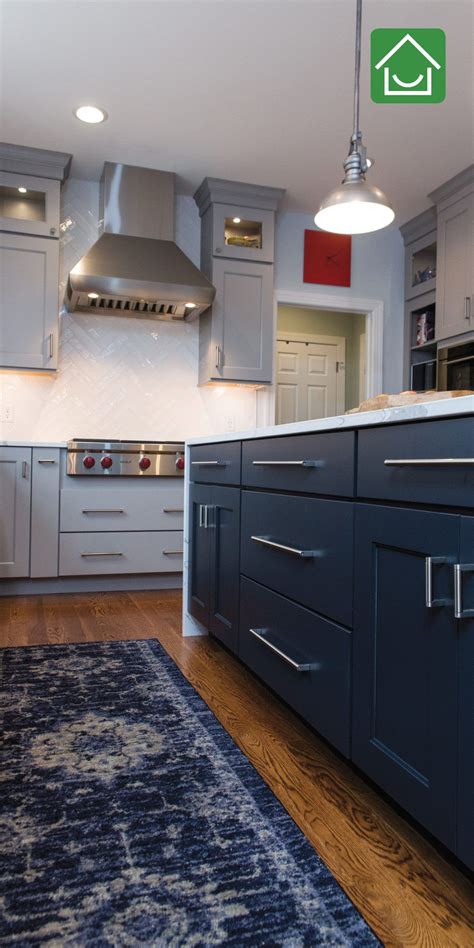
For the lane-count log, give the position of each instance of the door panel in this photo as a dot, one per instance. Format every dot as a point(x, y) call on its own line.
point(455, 267)
point(28, 302)
point(199, 591)
point(224, 570)
point(15, 504)
point(465, 841)
point(308, 384)
point(405, 661)
point(242, 321)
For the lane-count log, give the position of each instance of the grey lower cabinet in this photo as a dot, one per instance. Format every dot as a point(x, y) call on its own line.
point(29, 275)
point(15, 505)
point(236, 335)
point(214, 573)
point(45, 472)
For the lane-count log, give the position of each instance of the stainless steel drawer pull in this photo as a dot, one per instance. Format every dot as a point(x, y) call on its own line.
point(459, 569)
point(260, 635)
point(46, 461)
point(431, 561)
point(173, 509)
point(305, 463)
point(24, 468)
point(209, 463)
point(102, 554)
point(51, 345)
point(172, 552)
point(102, 510)
point(467, 307)
point(302, 554)
point(401, 462)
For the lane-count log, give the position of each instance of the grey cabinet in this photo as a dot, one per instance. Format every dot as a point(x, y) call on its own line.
point(15, 503)
point(44, 512)
point(29, 205)
point(237, 251)
point(241, 340)
point(29, 275)
point(455, 279)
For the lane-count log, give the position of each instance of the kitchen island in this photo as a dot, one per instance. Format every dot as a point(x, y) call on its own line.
point(335, 558)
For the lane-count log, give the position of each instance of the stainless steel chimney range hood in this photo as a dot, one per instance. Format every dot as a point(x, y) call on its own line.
point(135, 268)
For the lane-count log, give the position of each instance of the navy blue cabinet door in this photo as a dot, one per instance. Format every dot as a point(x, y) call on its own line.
point(224, 529)
point(465, 841)
point(199, 575)
point(405, 660)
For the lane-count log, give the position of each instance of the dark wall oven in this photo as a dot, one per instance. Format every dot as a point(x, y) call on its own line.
point(456, 367)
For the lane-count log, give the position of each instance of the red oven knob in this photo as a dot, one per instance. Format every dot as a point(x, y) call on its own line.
point(180, 464)
point(144, 464)
point(106, 462)
point(88, 462)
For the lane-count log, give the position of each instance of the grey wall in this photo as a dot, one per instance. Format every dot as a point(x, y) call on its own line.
point(348, 326)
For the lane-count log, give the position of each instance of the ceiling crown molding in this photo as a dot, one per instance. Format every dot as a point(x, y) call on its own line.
point(220, 191)
point(21, 159)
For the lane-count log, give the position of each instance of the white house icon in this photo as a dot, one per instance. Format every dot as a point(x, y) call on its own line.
point(407, 88)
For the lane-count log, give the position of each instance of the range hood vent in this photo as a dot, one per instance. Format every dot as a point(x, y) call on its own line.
point(135, 267)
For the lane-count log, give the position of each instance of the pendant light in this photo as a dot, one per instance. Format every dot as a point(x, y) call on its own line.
point(355, 207)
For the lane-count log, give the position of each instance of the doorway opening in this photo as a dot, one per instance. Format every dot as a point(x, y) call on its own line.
point(320, 362)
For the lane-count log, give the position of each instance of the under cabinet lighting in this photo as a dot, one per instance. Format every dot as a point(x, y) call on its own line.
point(236, 220)
point(93, 296)
point(91, 114)
point(190, 305)
point(23, 190)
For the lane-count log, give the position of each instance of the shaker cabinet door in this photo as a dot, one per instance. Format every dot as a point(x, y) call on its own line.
point(405, 660)
point(242, 322)
point(199, 565)
point(29, 274)
point(15, 503)
point(224, 526)
point(454, 281)
point(465, 840)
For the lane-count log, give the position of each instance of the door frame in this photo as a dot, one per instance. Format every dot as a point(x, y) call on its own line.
point(338, 341)
point(372, 309)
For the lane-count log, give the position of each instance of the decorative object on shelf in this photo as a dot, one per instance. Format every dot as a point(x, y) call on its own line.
point(425, 327)
point(327, 258)
point(421, 276)
point(355, 207)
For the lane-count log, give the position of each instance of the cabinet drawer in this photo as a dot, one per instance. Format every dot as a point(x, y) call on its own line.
point(286, 636)
point(215, 463)
point(319, 463)
point(301, 547)
point(414, 462)
point(102, 511)
point(90, 554)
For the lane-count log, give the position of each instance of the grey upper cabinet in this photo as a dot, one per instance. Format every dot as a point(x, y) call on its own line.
point(237, 252)
point(29, 275)
point(15, 505)
point(30, 183)
point(455, 281)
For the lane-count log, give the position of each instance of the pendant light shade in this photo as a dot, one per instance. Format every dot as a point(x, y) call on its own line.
point(355, 207)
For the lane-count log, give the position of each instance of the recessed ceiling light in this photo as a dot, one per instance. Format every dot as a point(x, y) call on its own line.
point(90, 114)
point(190, 305)
point(23, 190)
point(236, 220)
point(93, 296)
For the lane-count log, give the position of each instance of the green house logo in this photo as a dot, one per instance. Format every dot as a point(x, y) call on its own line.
point(408, 66)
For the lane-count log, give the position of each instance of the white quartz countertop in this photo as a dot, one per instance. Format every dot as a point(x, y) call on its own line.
point(443, 408)
point(33, 444)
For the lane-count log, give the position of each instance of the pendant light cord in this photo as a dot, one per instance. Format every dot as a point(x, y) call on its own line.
point(356, 135)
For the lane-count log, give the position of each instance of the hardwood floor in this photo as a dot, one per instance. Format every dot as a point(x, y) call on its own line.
point(407, 891)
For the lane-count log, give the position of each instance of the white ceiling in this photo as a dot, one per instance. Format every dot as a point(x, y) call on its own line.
point(256, 91)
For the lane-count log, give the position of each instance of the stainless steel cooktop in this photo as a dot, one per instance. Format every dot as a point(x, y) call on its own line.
point(93, 458)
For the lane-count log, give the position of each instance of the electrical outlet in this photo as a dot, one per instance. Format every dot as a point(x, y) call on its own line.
point(7, 414)
point(229, 423)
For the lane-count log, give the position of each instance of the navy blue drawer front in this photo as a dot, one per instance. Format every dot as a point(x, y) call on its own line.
point(386, 471)
point(304, 658)
point(311, 464)
point(301, 547)
point(216, 463)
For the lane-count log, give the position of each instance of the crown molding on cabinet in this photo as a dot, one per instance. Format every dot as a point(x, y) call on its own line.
point(21, 159)
point(464, 179)
point(419, 226)
point(220, 191)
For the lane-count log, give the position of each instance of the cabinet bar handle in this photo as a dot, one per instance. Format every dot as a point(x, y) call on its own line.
point(401, 462)
point(459, 569)
point(303, 554)
point(218, 358)
point(209, 463)
point(103, 510)
point(102, 554)
point(429, 601)
point(260, 635)
point(51, 345)
point(24, 468)
point(46, 461)
point(173, 509)
point(172, 552)
point(201, 515)
point(467, 307)
point(305, 463)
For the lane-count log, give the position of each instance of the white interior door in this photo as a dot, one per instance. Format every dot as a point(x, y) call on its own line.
point(310, 380)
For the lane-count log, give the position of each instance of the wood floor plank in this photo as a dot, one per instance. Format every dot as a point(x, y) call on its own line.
point(407, 891)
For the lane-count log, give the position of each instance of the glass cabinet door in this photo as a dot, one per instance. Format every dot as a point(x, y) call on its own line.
point(29, 205)
point(420, 270)
point(243, 233)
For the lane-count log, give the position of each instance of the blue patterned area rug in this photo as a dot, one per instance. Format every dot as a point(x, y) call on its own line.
point(130, 817)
